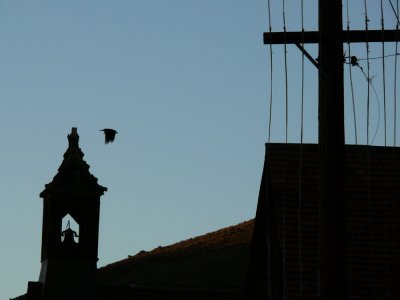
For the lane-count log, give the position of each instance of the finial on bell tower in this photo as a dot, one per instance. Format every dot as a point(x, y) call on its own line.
point(73, 138)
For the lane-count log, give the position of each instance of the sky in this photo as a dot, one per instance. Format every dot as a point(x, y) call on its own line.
point(187, 86)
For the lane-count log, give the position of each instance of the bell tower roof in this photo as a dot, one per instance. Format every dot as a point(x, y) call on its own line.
point(73, 175)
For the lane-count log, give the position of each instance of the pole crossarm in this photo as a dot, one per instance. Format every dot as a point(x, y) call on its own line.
point(314, 37)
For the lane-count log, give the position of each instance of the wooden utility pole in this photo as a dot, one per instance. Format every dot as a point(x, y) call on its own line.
point(330, 37)
point(332, 266)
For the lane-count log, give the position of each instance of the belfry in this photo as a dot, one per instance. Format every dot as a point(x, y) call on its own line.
point(69, 254)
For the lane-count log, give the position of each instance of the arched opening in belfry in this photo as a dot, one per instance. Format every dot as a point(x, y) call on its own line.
point(69, 229)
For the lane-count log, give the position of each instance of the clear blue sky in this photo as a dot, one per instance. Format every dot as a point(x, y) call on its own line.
point(185, 83)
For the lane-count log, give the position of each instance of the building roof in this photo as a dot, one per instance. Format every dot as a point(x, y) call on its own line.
point(371, 217)
point(73, 174)
point(214, 261)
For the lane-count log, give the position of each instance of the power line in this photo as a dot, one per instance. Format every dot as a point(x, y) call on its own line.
point(395, 101)
point(383, 71)
point(368, 66)
point(271, 73)
point(286, 75)
point(396, 12)
point(351, 76)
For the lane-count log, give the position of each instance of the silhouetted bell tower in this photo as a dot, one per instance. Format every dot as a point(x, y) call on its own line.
point(69, 254)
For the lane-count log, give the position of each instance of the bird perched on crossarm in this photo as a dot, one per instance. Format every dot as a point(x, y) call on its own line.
point(109, 135)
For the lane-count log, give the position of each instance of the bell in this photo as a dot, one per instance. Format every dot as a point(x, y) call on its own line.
point(69, 236)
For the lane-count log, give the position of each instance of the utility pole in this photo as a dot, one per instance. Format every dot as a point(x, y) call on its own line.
point(332, 265)
point(330, 38)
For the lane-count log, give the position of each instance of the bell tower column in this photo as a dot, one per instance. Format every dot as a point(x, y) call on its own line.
point(69, 254)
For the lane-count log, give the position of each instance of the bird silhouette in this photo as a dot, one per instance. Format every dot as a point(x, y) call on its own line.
point(109, 135)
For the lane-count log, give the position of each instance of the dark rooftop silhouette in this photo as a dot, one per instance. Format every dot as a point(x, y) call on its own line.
point(215, 259)
point(211, 266)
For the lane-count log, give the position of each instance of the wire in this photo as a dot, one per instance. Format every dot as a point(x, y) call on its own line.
point(396, 12)
point(286, 137)
point(369, 203)
point(300, 190)
point(383, 71)
point(354, 63)
point(368, 66)
point(302, 75)
point(395, 233)
point(377, 57)
point(270, 116)
point(286, 74)
point(395, 81)
point(355, 136)
point(271, 73)
point(351, 75)
point(385, 131)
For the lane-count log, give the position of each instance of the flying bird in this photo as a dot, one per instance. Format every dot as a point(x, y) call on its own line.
point(109, 135)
